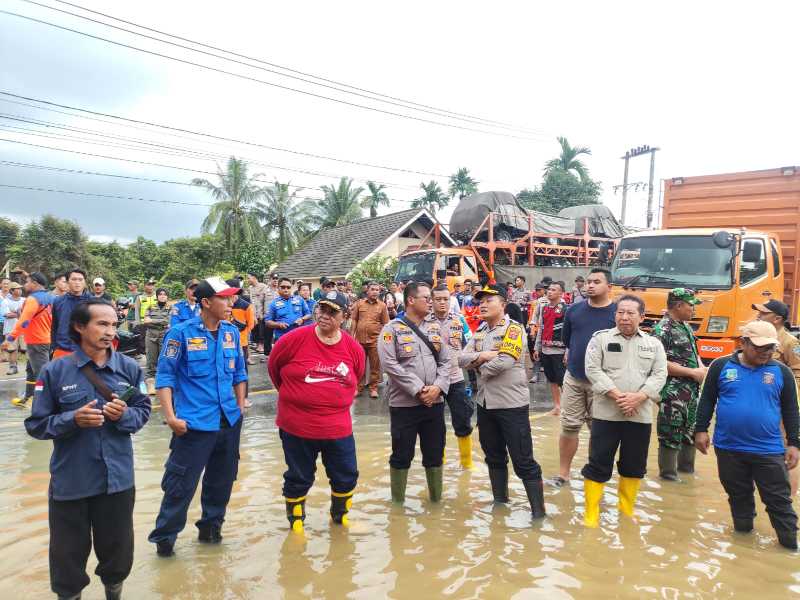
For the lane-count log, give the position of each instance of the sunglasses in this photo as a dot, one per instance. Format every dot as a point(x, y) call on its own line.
point(284, 287)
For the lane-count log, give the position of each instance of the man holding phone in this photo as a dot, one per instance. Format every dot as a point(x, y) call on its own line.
point(89, 404)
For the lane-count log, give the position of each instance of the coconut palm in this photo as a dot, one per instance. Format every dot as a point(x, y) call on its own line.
point(432, 199)
point(284, 217)
point(232, 215)
point(568, 160)
point(375, 199)
point(340, 205)
point(462, 185)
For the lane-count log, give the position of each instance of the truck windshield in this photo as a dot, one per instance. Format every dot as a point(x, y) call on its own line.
point(672, 261)
point(416, 267)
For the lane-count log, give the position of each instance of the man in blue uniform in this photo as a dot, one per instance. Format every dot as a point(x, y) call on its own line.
point(186, 309)
point(286, 312)
point(200, 384)
point(89, 404)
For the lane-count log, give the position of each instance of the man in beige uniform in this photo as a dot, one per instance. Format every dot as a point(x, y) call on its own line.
point(497, 351)
point(627, 369)
point(787, 352)
point(417, 361)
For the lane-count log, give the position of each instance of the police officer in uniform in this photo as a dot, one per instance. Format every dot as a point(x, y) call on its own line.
point(497, 352)
point(186, 309)
point(413, 355)
point(286, 312)
point(678, 409)
point(201, 387)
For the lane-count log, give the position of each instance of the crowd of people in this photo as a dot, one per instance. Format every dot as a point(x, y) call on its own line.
point(472, 348)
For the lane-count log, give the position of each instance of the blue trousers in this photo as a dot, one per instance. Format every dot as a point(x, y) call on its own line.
point(461, 409)
point(409, 422)
point(338, 456)
point(213, 454)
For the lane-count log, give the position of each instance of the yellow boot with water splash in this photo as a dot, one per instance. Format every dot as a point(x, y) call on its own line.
point(465, 451)
point(593, 491)
point(296, 513)
point(627, 492)
point(340, 506)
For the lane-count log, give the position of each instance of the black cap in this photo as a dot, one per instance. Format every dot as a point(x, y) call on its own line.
point(328, 283)
point(38, 278)
point(335, 300)
point(235, 283)
point(192, 283)
point(490, 290)
point(773, 306)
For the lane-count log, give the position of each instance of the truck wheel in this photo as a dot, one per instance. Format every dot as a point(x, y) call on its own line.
point(501, 234)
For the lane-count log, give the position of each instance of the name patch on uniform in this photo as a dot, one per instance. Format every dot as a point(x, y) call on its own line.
point(171, 350)
point(731, 374)
point(227, 342)
point(196, 344)
point(387, 337)
point(407, 338)
point(279, 304)
point(512, 342)
point(768, 378)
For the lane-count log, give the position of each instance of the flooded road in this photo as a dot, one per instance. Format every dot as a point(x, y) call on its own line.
point(682, 545)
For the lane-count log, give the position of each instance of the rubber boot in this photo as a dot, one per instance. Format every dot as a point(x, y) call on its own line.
point(668, 463)
point(434, 475)
point(465, 451)
point(593, 491)
point(399, 479)
point(535, 492)
point(627, 492)
point(75, 597)
point(151, 386)
point(296, 513)
point(743, 525)
point(340, 506)
point(787, 539)
point(686, 458)
point(114, 592)
point(499, 479)
point(209, 534)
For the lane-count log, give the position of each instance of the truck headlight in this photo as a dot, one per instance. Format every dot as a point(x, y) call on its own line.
point(717, 325)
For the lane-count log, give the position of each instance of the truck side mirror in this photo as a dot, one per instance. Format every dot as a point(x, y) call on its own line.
point(722, 239)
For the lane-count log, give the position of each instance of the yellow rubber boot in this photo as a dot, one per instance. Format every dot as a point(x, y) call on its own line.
point(465, 451)
point(627, 492)
point(594, 493)
point(340, 506)
point(296, 513)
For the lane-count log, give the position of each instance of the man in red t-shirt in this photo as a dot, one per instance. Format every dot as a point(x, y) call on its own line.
point(316, 370)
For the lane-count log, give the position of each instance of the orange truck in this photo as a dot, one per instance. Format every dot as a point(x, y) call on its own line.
point(733, 238)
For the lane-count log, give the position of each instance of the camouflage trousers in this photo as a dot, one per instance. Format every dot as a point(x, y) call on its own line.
point(675, 421)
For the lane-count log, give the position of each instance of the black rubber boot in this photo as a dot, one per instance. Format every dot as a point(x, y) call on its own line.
point(340, 506)
point(75, 597)
point(210, 534)
point(535, 492)
point(743, 525)
point(114, 592)
point(686, 458)
point(499, 479)
point(668, 463)
point(164, 549)
point(296, 513)
point(787, 539)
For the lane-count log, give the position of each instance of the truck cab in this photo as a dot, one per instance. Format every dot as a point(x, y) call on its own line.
point(730, 270)
point(437, 265)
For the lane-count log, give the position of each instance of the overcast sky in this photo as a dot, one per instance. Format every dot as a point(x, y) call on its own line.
point(713, 84)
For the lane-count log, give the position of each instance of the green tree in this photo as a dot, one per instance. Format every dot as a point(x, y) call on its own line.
point(462, 185)
point(50, 245)
point(340, 206)
point(568, 160)
point(432, 199)
point(560, 190)
point(378, 268)
point(375, 199)
point(185, 258)
point(285, 219)
point(256, 257)
point(232, 216)
point(9, 231)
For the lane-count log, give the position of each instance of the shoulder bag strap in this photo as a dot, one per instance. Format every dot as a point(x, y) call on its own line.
point(422, 337)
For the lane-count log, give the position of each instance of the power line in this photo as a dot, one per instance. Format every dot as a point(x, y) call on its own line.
point(38, 189)
point(203, 134)
point(332, 85)
point(264, 82)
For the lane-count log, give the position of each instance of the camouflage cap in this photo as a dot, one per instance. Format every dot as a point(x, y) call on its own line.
point(685, 294)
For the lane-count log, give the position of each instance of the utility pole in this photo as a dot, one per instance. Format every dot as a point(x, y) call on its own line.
point(632, 153)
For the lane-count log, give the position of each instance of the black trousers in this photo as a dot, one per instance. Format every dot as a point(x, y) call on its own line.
point(461, 409)
point(268, 335)
point(257, 335)
point(507, 431)
point(737, 473)
point(422, 421)
point(633, 441)
point(105, 521)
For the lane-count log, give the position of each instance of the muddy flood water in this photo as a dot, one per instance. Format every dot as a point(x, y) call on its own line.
point(681, 544)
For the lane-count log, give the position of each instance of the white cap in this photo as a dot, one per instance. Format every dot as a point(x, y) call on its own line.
point(99, 280)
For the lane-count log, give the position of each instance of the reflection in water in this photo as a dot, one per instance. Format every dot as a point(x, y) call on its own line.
point(681, 544)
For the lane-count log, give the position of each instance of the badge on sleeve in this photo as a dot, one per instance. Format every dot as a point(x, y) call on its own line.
point(172, 348)
point(512, 342)
point(387, 337)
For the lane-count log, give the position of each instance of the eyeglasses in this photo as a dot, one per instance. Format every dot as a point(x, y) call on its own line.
point(284, 287)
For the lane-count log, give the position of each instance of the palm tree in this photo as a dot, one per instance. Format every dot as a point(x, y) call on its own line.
point(232, 215)
point(340, 205)
point(432, 199)
point(568, 160)
point(462, 185)
point(376, 198)
point(284, 217)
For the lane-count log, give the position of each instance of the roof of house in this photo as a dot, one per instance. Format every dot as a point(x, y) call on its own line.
point(336, 251)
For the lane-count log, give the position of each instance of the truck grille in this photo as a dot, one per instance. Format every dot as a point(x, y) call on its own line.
point(649, 321)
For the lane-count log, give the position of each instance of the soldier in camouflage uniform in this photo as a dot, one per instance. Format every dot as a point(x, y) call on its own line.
point(156, 322)
point(678, 409)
